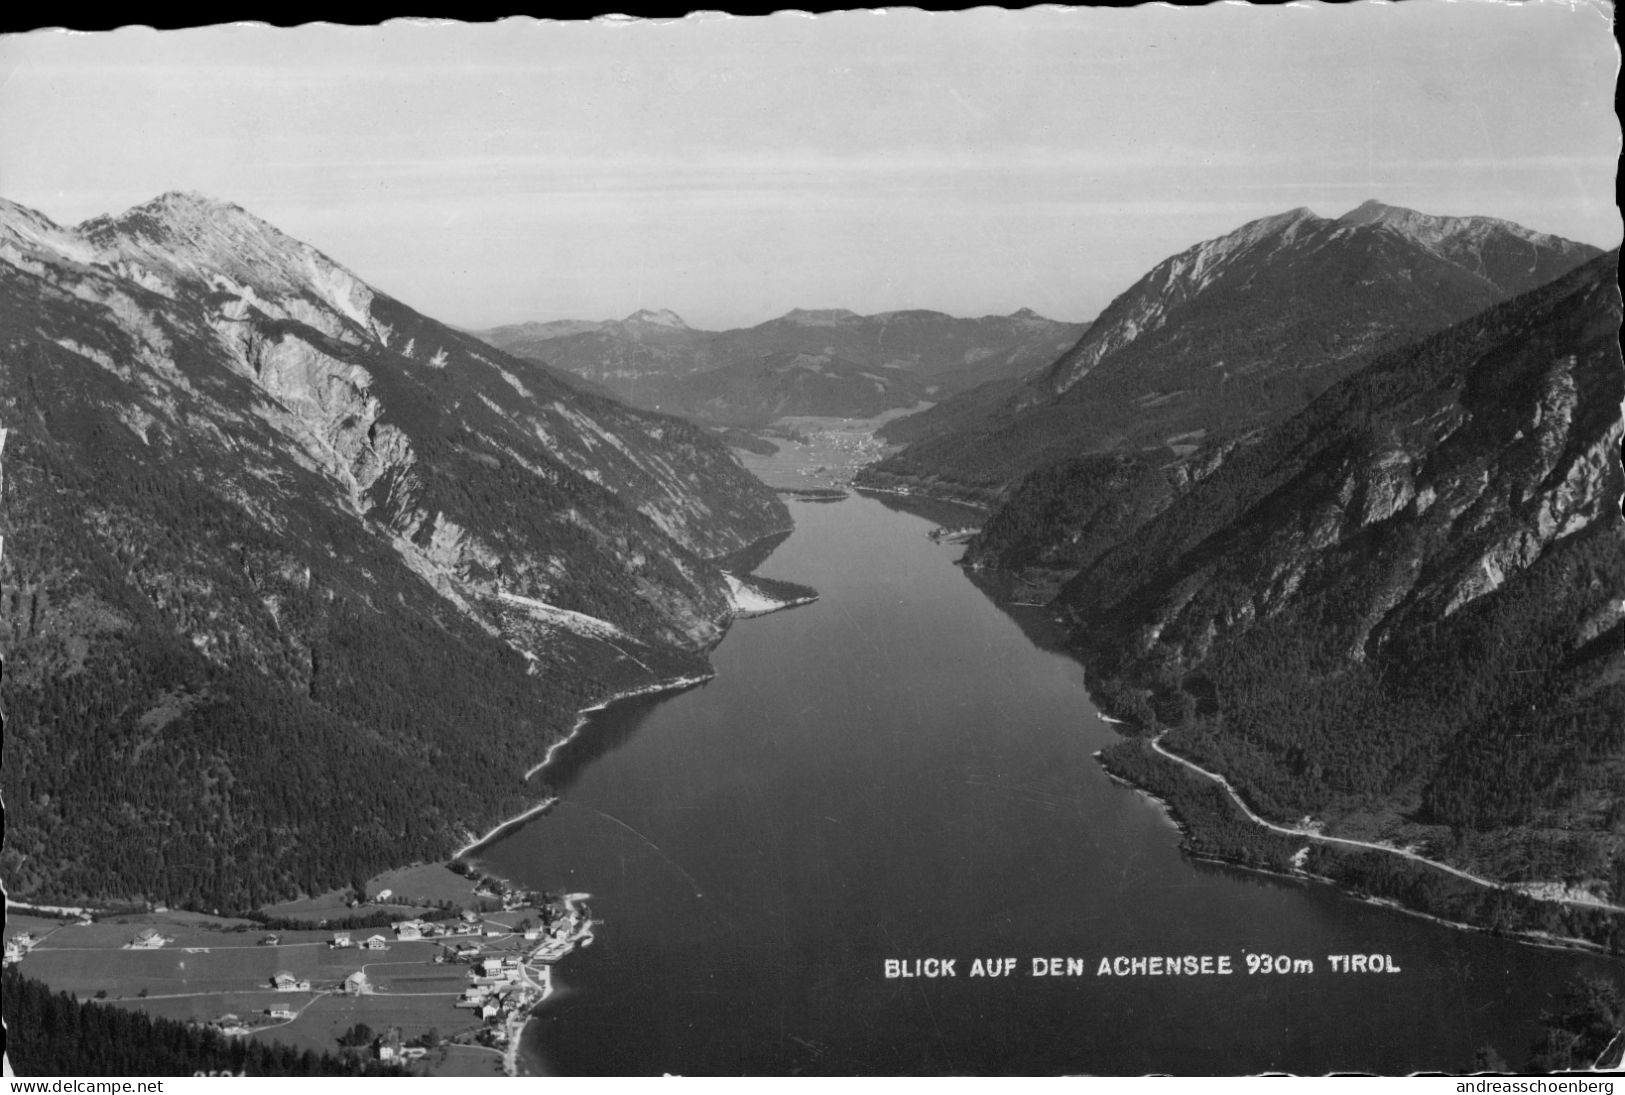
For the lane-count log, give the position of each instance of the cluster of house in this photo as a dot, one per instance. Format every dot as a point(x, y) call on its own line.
point(18, 946)
point(231, 1026)
point(147, 940)
point(415, 929)
point(511, 899)
point(390, 1048)
point(496, 981)
point(343, 941)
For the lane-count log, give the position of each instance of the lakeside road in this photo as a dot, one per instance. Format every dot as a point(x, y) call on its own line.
point(1307, 834)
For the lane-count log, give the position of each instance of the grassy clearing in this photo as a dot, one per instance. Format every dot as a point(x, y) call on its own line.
point(214, 966)
point(429, 883)
point(465, 1061)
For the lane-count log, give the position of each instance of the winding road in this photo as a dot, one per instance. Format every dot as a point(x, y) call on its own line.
point(1308, 834)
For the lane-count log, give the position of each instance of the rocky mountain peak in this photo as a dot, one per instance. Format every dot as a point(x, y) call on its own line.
point(1371, 211)
point(660, 317)
point(185, 242)
point(173, 215)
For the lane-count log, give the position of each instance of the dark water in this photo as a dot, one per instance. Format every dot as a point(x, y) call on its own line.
point(901, 771)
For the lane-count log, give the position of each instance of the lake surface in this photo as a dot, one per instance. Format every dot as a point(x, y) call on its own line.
point(900, 771)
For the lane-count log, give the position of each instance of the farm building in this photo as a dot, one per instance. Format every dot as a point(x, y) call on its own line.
point(340, 940)
point(357, 983)
point(389, 1046)
point(375, 943)
point(287, 982)
point(148, 940)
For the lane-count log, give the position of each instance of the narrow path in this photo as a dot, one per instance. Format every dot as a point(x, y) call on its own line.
point(1596, 1066)
point(1156, 743)
point(189, 950)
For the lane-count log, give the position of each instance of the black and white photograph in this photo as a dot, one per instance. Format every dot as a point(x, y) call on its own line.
point(1075, 541)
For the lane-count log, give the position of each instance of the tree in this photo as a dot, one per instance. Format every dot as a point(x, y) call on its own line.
point(1588, 1018)
point(358, 1035)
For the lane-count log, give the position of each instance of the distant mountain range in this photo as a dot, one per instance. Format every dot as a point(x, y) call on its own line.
point(831, 362)
point(298, 581)
point(1229, 334)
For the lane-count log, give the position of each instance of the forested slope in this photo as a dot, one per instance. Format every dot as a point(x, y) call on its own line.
point(1402, 610)
point(297, 582)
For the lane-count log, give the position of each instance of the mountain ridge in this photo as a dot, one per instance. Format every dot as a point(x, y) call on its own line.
point(278, 533)
point(682, 370)
point(1224, 335)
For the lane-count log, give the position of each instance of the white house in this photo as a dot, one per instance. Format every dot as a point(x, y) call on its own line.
point(287, 982)
point(375, 943)
point(340, 940)
point(357, 983)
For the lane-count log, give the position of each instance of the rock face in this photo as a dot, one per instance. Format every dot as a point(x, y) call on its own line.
point(1232, 333)
point(750, 375)
point(1400, 607)
point(263, 519)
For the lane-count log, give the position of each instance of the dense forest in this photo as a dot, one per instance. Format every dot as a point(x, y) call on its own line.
point(362, 729)
point(1585, 1031)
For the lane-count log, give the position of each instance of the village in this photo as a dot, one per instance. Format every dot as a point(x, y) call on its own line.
point(389, 990)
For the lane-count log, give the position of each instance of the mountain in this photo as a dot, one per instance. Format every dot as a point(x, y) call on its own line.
point(788, 383)
point(654, 360)
point(1229, 334)
point(1401, 610)
point(614, 353)
point(298, 581)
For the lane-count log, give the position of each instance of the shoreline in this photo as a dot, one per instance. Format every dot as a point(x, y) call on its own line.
point(904, 492)
point(1541, 939)
point(583, 716)
point(1367, 845)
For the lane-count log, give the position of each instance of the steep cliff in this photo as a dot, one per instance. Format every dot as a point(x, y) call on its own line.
point(301, 580)
point(1402, 610)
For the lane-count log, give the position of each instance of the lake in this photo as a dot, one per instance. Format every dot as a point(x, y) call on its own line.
point(903, 771)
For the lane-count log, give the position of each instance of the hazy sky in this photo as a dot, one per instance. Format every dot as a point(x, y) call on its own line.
point(732, 169)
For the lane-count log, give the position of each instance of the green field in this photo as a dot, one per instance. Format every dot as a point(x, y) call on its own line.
point(410, 889)
point(214, 967)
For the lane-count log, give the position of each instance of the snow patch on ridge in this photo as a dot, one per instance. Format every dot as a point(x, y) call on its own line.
point(747, 600)
point(579, 622)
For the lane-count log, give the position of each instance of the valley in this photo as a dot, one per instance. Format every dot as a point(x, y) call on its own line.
point(1012, 542)
point(308, 533)
point(808, 362)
